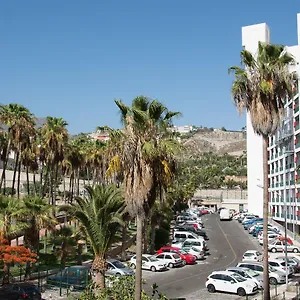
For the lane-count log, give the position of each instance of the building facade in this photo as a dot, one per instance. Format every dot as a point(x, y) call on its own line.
point(283, 148)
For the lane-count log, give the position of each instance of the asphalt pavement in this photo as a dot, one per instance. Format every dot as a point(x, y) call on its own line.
point(227, 243)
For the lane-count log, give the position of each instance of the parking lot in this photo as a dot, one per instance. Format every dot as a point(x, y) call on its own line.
point(227, 243)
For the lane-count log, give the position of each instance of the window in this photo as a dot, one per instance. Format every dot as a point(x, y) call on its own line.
point(191, 236)
point(168, 256)
point(227, 278)
point(258, 268)
point(161, 256)
point(216, 277)
point(166, 250)
point(176, 256)
point(144, 258)
point(273, 264)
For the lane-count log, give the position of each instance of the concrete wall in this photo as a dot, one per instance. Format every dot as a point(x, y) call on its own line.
point(251, 35)
point(221, 194)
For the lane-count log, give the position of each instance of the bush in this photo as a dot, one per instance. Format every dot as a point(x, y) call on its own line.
point(121, 287)
point(49, 259)
point(8, 191)
point(161, 237)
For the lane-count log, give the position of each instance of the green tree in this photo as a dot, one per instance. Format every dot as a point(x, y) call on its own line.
point(261, 86)
point(100, 216)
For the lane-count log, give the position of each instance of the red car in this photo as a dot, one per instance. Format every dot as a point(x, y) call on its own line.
point(186, 257)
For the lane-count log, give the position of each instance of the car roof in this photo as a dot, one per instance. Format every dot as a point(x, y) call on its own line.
point(250, 262)
point(238, 269)
point(170, 247)
point(222, 272)
point(112, 260)
point(77, 267)
point(277, 259)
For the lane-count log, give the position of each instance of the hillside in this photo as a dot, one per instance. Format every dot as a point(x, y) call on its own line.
point(216, 141)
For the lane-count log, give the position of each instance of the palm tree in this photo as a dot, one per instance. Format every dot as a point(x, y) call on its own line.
point(20, 124)
point(38, 215)
point(261, 86)
point(54, 139)
point(9, 227)
point(100, 216)
point(141, 163)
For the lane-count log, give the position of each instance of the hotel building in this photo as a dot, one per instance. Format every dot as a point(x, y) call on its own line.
point(283, 148)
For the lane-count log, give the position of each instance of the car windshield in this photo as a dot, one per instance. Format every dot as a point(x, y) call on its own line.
point(296, 260)
point(238, 277)
point(183, 252)
point(252, 273)
point(176, 256)
point(118, 264)
point(195, 249)
point(153, 258)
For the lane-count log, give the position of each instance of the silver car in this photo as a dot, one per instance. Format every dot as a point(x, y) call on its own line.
point(280, 246)
point(115, 267)
point(275, 276)
point(248, 274)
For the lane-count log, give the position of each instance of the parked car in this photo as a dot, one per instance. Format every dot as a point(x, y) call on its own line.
point(149, 262)
point(185, 256)
point(191, 228)
point(183, 235)
point(252, 255)
point(230, 282)
point(275, 276)
point(115, 267)
point(196, 243)
point(248, 274)
point(292, 261)
point(20, 291)
point(170, 259)
point(279, 246)
point(280, 265)
point(271, 236)
point(194, 251)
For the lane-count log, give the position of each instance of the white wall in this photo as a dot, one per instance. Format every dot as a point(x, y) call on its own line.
point(298, 26)
point(251, 35)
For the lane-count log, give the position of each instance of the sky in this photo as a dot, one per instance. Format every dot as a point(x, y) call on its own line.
point(72, 58)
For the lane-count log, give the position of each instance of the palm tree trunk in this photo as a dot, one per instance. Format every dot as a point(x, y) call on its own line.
point(94, 177)
point(15, 172)
point(123, 247)
point(51, 185)
point(99, 266)
point(5, 279)
point(34, 184)
point(47, 179)
point(5, 162)
point(139, 244)
point(88, 175)
point(41, 181)
point(19, 179)
point(27, 179)
point(56, 184)
point(64, 189)
point(78, 179)
point(265, 221)
point(79, 253)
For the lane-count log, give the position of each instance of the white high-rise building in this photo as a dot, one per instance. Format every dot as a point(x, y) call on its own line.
point(283, 174)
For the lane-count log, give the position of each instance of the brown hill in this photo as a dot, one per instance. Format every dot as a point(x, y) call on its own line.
point(216, 141)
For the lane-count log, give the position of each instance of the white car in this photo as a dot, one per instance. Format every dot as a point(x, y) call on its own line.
point(194, 251)
point(149, 262)
point(170, 259)
point(279, 265)
point(188, 243)
point(230, 282)
point(271, 236)
point(252, 255)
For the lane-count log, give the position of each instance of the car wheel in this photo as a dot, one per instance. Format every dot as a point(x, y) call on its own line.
point(274, 250)
point(184, 262)
point(273, 281)
point(241, 292)
point(118, 274)
point(211, 288)
point(295, 250)
point(132, 266)
point(170, 265)
point(153, 269)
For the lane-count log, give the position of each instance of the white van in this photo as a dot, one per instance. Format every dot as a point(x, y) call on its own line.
point(225, 214)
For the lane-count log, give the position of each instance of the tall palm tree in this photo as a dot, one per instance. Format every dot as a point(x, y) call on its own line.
point(20, 124)
point(261, 86)
point(54, 139)
point(100, 216)
point(145, 124)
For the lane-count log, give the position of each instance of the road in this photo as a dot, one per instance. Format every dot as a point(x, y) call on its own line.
point(227, 243)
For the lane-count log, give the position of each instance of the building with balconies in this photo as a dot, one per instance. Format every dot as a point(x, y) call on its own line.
point(283, 148)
